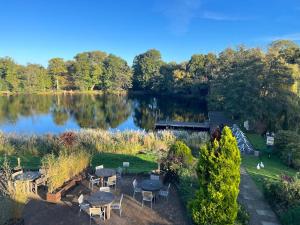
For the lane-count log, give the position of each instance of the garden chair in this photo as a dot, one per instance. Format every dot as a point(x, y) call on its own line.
point(136, 188)
point(16, 174)
point(36, 183)
point(126, 166)
point(165, 192)
point(96, 212)
point(154, 177)
point(117, 205)
point(105, 189)
point(119, 173)
point(82, 205)
point(147, 197)
point(111, 181)
point(99, 167)
point(92, 181)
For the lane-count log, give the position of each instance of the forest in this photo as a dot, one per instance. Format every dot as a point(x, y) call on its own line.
point(253, 83)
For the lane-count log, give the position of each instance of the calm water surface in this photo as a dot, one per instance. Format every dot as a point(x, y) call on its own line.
point(40, 114)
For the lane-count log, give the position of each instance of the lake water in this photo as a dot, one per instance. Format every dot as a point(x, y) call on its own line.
point(40, 114)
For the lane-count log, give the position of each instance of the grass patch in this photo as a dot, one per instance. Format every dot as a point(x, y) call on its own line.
point(257, 141)
point(139, 163)
point(27, 162)
point(273, 169)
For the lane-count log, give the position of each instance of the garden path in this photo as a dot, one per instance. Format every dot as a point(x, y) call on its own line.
point(255, 203)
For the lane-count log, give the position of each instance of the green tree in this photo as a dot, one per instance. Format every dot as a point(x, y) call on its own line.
point(57, 70)
point(218, 171)
point(9, 79)
point(35, 78)
point(89, 69)
point(146, 69)
point(117, 75)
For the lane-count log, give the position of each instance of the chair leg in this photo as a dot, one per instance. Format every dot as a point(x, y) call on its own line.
point(151, 204)
point(120, 212)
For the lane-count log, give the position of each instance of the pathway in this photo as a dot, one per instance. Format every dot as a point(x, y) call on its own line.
point(255, 203)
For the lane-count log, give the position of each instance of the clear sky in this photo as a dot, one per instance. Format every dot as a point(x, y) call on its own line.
point(37, 30)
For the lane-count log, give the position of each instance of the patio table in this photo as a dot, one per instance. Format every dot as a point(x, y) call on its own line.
point(28, 177)
point(104, 173)
point(101, 199)
point(151, 185)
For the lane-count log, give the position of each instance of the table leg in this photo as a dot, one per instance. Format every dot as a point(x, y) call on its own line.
point(108, 211)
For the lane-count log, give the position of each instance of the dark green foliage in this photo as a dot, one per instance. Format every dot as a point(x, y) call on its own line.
point(242, 216)
point(287, 145)
point(291, 216)
point(284, 193)
point(218, 171)
point(179, 156)
point(284, 197)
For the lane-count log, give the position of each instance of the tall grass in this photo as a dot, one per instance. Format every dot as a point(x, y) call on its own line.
point(96, 140)
point(64, 167)
point(13, 196)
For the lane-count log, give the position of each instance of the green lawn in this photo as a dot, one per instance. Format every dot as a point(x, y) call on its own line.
point(273, 169)
point(258, 142)
point(138, 164)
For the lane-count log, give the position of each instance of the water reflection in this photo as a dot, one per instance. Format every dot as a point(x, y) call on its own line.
point(57, 113)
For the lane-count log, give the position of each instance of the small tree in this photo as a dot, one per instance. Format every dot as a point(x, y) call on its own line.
point(218, 171)
point(179, 156)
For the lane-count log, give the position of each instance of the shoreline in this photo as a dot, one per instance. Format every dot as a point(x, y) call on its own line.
point(100, 92)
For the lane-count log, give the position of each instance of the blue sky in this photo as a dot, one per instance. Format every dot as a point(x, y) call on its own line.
point(36, 30)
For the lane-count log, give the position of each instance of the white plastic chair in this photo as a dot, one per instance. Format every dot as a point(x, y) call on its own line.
point(105, 189)
point(126, 166)
point(154, 177)
point(147, 197)
point(82, 206)
point(95, 212)
point(99, 167)
point(13, 176)
point(111, 181)
point(136, 188)
point(93, 181)
point(118, 205)
point(165, 192)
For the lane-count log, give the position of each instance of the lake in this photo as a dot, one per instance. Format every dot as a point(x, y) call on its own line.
point(40, 114)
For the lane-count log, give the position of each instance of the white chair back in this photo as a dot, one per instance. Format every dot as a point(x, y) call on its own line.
point(134, 183)
point(126, 164)
point(80, 199)
point(147, 195)
point(99, 167)
point(121, 199)
point(105, 189)
point(154, 177)
point(16, 174)
point(94, 211)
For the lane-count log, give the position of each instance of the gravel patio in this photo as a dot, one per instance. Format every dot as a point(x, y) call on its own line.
point(38, 211)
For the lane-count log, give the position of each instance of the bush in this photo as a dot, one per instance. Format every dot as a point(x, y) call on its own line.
point(64, 167)
point(179, 156)
point(283, 194)
point(242, 216)
point(287, 145)
point(13, 197)
point(218, 171)
point(291, 216)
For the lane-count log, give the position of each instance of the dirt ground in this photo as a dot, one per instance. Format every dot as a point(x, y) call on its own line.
point(40, 212)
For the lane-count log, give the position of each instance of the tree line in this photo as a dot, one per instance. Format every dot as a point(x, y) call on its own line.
point(97, 70)
point(247, 82)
